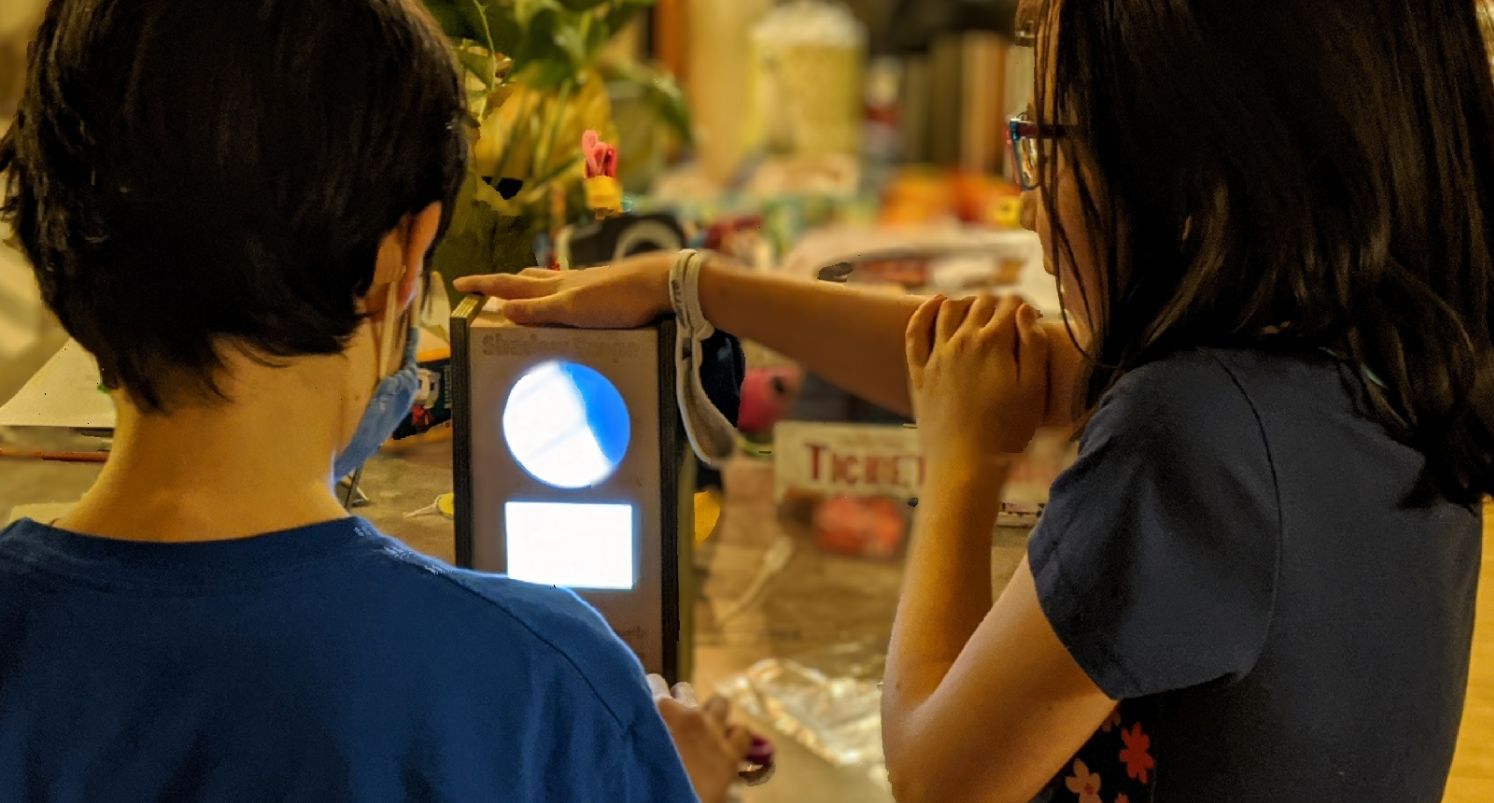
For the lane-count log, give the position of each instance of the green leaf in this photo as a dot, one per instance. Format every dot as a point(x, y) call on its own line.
point(549, 56)
point(669, 101)
point(482, 238)
point(620, 15)
point(572, 41)
point(474, 16)
point(502, 170)
point(595, 32)
point(525, 11)
point(450, 18)
point(582, 5)
point(480, 63)
point(660, 91)
point(621, 12)
point(535, 190)
point(491, 24)
point(557, 112)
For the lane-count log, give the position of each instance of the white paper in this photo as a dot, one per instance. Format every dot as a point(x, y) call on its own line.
point(64, 393)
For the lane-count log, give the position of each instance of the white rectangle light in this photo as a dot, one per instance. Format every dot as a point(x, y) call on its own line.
point(576, 545)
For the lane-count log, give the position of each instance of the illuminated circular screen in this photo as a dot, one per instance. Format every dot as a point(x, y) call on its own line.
point(566, 425)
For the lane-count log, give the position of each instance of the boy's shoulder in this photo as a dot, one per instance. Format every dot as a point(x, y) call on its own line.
point(551, 623)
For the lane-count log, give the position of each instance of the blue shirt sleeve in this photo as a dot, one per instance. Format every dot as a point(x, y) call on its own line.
point(606, 740)
point(651, 769)
point(1155, 561)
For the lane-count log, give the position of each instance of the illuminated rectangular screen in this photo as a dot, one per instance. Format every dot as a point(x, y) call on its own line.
point(569, 544)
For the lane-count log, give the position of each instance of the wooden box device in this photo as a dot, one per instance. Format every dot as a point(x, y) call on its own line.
point(570, 470)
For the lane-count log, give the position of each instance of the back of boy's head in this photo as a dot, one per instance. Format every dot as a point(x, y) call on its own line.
point(186, 175)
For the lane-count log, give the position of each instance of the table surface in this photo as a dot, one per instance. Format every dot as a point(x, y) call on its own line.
point(817, 601)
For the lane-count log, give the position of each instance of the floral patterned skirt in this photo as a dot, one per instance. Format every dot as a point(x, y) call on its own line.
point(1114, 766)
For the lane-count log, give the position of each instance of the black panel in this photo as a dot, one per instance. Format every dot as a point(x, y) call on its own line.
point(672, 454)
point(461, 452)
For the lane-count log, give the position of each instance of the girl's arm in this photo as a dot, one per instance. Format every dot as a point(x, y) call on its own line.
point(981, 701)
point(853, 338)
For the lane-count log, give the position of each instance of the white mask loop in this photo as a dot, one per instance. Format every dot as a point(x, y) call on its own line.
point(711, 435)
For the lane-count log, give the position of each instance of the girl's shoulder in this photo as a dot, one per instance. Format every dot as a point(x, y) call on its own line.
point(1208, 383)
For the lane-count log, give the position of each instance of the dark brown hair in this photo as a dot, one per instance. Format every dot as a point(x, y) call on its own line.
point(185, 174)
point(1292, 175)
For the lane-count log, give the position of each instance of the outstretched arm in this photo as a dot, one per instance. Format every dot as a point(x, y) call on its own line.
point(853, 338)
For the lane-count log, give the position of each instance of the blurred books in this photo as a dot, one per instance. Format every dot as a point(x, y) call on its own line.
point(957, 98)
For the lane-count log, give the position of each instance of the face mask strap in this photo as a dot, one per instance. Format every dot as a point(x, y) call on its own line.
point(388, 359)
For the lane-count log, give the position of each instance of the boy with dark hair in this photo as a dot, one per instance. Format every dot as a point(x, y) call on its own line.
point(230, 205)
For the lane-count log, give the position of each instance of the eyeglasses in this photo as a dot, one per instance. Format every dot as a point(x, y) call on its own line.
point(1024, 136)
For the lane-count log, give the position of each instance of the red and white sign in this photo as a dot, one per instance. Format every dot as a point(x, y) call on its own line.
point(846, 459)
point(874, 460)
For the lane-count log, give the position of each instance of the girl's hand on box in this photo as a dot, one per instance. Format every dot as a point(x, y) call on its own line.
point(628, 293)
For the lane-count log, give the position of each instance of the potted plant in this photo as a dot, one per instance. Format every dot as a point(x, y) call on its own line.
point(538, 79)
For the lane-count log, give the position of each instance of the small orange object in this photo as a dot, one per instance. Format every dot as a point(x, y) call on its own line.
point(604, 194)
point(871, 527)
point(601, 158)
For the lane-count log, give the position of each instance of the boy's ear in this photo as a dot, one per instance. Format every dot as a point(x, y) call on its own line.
point(421, 229)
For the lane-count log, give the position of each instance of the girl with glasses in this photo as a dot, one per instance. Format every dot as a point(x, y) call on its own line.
point(1273, 229)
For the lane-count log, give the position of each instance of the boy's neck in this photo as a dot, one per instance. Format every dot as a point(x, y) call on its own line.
point(260, 462)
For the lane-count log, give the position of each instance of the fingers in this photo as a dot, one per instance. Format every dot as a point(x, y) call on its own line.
point(685, 693)
point(982, 311)
point(1004, 313)
point(919, 338)
point(1001, 331)
point(951, 314)
point(1034, 346)
point(547, 311)
point(528, 284)
point(718, 708)
point(739, 739)
point(687, 723)
point(680, 719)
point(682, 693)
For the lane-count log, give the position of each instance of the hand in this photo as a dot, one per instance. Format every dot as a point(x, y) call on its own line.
point(979, 374)
point(712, 749)
point(630, 293)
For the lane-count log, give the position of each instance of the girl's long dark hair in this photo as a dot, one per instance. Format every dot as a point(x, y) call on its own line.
point(1288, 175)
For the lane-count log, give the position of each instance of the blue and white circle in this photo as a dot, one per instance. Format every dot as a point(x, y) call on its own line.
point(566, 425)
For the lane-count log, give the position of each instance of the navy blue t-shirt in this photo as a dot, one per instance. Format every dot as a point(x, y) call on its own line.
point(1234, 557)
point(327, 663)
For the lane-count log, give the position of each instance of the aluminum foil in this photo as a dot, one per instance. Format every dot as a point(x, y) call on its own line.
point(830, 702)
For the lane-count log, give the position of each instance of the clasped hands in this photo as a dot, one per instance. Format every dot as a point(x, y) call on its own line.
point(978, 372)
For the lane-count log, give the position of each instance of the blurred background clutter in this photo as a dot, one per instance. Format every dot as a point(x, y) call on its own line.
point(28, 335)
